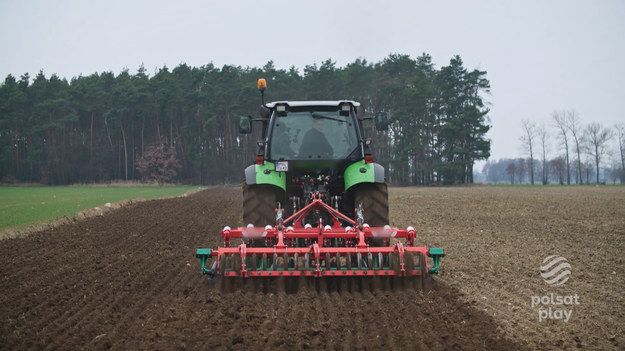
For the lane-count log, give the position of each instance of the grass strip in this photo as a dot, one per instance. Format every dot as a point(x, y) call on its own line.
point(25, 205)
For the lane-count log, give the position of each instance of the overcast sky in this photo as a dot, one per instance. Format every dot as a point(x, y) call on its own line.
point(540, 55)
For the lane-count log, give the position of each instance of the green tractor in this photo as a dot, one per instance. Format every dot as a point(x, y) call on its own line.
point(308, 149)
point(315, 204)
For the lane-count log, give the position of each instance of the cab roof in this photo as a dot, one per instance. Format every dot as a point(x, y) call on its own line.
point(313, 103)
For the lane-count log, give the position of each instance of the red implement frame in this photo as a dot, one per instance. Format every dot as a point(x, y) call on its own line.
point(355, 237)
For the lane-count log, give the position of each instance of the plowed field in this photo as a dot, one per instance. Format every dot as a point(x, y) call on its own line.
point(129, 279)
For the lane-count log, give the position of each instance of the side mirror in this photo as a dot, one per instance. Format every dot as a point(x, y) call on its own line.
point(381, 121)
point(245, 124)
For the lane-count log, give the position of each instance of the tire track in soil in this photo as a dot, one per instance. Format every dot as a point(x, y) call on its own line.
point(370, 319)
point(337, 320)
point(389, 319)
point(102, 300)
point(353, 320)
point(152, 299)
point(51, 283)
point(184, 300)
point(111, 310)
point(167, 290)
point(65, 330)
point(127, 320)
point(317, 330)
point(76, 262)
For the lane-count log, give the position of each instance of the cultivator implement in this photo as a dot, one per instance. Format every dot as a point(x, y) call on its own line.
point(342, 247)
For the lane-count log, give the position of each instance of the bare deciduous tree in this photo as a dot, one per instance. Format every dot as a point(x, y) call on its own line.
point(620, 133)
point(557, 168)
point(598, 138)
point(574, 126)
point(528, 138)
point(559, 119)
point(543, 139)
point(511, 170)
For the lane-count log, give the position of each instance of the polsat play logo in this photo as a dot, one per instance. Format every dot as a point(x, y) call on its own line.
point(555, 270)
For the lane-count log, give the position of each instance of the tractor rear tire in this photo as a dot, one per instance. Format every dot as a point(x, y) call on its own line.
point(374, 200)
point(259, 204)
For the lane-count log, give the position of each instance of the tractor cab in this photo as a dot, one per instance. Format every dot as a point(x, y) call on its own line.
point(313, 131)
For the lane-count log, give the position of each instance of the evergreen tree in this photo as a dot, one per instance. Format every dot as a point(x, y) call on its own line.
point(96, 128)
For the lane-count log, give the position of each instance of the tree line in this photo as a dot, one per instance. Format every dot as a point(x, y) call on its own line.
point(585, 154)
point(179, 125)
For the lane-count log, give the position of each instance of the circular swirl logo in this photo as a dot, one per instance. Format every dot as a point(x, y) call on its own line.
point(555, 270)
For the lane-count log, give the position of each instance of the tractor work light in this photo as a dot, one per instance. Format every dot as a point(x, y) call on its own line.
point(345, 108)
point(281, 110)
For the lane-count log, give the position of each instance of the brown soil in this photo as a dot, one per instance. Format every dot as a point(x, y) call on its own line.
point(496, 239)
point(129, 279)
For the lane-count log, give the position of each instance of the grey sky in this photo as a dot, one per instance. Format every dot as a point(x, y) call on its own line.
point(539, 55)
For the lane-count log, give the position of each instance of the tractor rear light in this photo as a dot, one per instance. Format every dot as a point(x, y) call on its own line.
point(368, 158)
point(260, 160)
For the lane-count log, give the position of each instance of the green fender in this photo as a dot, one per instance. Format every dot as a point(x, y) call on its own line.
point(361, 172)
point(265, 174)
